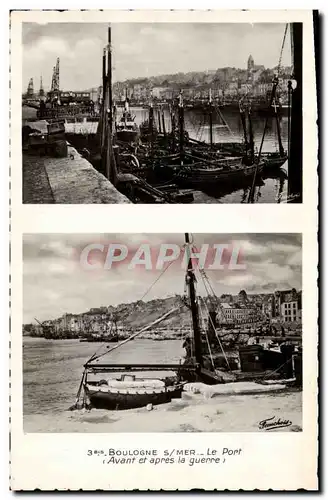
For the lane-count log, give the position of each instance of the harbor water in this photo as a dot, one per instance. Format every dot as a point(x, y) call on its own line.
point(52, 371)
point(270, 188)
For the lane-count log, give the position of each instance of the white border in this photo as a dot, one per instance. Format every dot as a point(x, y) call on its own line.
point(284, 461)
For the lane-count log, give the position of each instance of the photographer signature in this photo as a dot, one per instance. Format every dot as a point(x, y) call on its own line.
point(273, 423)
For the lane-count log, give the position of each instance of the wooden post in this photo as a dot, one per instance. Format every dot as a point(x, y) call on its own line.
point(295, 160)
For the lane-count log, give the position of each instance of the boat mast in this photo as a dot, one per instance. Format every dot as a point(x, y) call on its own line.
point(211, 118)
point(272, 98)
point(190, 278)
point(163, 123)
point(181, 127)
point(108, 156)
point(243, 122)
point(104, 97)
point(159, 121)
point(109, 80)
point(251, 135)
point(281, 147)
point(151, 126)
point(126, 106)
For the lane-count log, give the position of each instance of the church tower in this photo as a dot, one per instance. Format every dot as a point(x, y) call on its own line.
point(250, 64)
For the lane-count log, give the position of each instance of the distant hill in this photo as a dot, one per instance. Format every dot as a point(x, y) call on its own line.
point(219, 77)
point(139, 314)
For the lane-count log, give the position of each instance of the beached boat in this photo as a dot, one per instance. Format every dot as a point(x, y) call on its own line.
point(120, 386)
point(129, 391)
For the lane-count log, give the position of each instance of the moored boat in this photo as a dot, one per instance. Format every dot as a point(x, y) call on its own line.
point(274, 160)
point(225, 174)
point(126, 128)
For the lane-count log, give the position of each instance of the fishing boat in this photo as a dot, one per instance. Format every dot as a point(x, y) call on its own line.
point(129, 385)
point(127, 131)
point(274, 160)
point(235, 173)
point(201, 171)
point(129, 392)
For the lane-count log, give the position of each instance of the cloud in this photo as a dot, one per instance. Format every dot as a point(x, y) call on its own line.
point(295, 259)
point(145, 49)
point(54, 282)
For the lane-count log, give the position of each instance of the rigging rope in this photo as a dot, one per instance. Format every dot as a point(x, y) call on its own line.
point(277, 369)
point(282, 48)
point(94, 358)
point(202, 272)
point(143, 296)
point(210, 319)
point(217, 109)
point(214, 329)
point(273, 96)
point(206, 335)
point(137, 333)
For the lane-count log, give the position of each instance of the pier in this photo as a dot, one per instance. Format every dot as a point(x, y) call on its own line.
point(66, 180)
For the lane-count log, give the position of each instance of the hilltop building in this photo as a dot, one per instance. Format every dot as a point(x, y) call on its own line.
point(250, 65)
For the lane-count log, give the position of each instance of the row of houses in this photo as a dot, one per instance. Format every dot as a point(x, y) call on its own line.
point(284, 306)
point(95, 321)
point(233, 89)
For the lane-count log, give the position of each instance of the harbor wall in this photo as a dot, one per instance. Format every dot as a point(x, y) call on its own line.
point(72, 180)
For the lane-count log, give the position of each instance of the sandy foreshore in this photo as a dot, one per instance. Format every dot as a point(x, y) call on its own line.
point(192, 413)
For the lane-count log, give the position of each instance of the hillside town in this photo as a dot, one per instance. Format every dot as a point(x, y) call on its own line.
point(227, 85)
point(281, 310)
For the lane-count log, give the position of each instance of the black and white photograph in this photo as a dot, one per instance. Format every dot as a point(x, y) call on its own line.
point(162, 333)
point(163, 349)
point(184, 112)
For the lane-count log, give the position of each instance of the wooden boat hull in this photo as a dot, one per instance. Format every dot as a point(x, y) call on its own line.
point(274, 162)
point(129, 136)
point(111, 399)
point(198, 177)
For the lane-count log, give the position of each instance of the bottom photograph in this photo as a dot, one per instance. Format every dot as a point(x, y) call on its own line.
point(162, 332)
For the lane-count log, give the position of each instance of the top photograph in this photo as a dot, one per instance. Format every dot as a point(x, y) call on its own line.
point(162, 113)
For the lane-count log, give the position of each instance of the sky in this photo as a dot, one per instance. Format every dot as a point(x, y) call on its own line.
point(55, 282)
point(145, 49)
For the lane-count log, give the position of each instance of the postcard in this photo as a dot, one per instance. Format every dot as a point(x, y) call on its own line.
point(164, 337)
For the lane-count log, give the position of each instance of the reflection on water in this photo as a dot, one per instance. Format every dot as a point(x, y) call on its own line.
point(271, 187)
